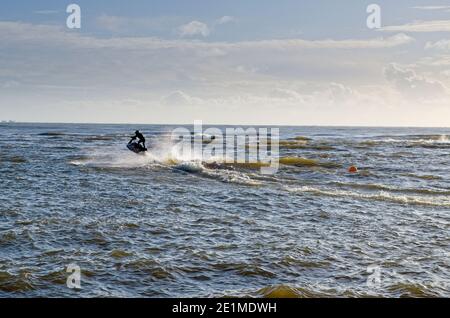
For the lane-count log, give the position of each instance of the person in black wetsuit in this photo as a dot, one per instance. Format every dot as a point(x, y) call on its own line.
point(140, 137)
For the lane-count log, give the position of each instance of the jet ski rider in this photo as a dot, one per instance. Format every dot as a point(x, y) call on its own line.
point(138, 135)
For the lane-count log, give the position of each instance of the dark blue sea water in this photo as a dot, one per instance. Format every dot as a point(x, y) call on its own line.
point(159, 225)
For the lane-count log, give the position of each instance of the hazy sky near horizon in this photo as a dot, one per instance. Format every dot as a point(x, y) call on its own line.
point(287, 62)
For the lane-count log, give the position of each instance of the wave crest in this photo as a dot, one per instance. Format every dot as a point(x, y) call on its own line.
point(380, 196)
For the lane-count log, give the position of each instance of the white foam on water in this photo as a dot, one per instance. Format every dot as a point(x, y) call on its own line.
point(444, 139)
point(115, 157)
point(190, 166)
point(379, 196)
point(163, 153)
point(231, 176)
point(424, 140)
point(391, 188)
point(167, 151)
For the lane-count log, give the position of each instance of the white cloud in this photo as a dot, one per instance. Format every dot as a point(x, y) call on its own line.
point(277, 81)
point(179, 98)
point(194, 28)
point(442, 45)
point(420, 26)
point(136, 25)
point(46, 12)
point(412, 85)
point(436, 61)
point(375, 43)
point(246, 69)
point(25, 33)
point(287, 95)
point(225, 19)
point(432, 7)
point(339, 92)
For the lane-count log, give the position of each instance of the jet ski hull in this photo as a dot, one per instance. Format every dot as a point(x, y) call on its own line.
point(136, 148)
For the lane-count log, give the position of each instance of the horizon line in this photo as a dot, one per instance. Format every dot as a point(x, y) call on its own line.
point(217, 124)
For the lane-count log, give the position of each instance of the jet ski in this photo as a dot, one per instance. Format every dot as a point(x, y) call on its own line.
point(136, 148)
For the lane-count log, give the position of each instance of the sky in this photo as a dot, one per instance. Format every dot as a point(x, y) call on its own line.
point(237, 62)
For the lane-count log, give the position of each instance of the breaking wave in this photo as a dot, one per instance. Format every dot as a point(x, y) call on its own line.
point(383, 187)
point(441, 201)
point(413, 140)
point(168, 156)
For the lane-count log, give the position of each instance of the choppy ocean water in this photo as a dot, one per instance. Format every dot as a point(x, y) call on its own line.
point(162, 226)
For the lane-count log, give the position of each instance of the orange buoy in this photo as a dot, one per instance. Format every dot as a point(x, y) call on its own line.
point(352, 169)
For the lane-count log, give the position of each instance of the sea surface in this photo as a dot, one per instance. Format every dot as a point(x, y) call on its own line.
point(162, 225)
